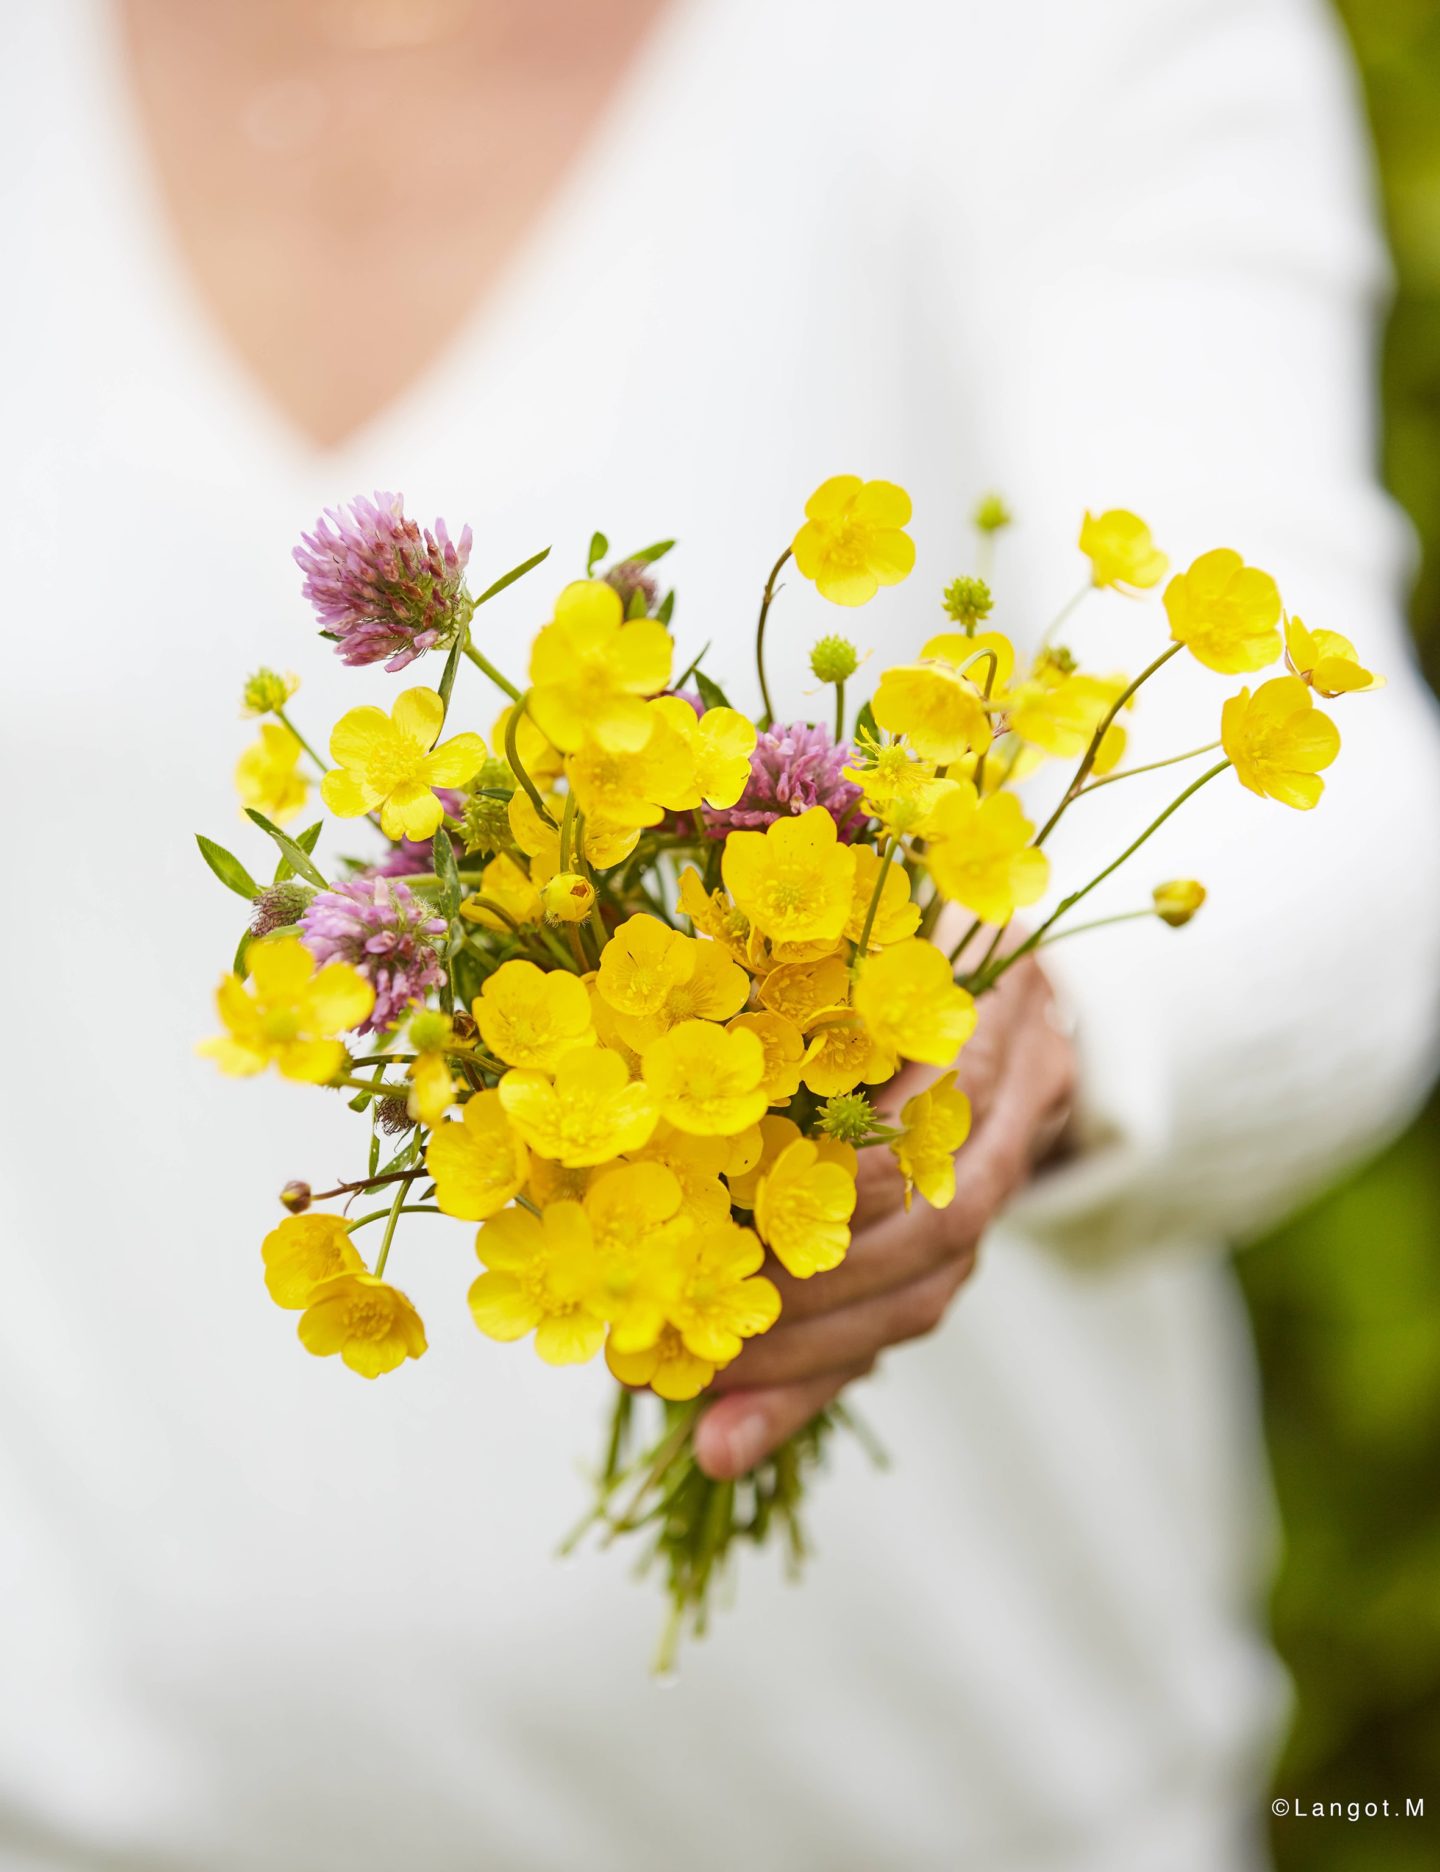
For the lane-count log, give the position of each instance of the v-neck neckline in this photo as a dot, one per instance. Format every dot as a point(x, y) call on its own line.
point(581, 191)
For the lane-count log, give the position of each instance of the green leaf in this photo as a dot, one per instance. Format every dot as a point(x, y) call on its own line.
point(639, 605)
point(649, 554)
point(665, 610)
point(711, 694)
point(227, 867)
point(241, 965)
point(509, 578)
point(295, 855)
point(307, 842)
point(599, 546)
point(691, 667)
point(452, 665)
point(448, 902)
point(865, 721)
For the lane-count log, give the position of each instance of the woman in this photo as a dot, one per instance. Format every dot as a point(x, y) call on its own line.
point(665, 266)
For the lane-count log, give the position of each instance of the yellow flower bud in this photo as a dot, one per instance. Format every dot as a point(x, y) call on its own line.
point(267, 690)
point(567, 897)
point(1177, 901)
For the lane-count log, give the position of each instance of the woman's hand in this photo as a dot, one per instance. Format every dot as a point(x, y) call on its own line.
point(902, 1270)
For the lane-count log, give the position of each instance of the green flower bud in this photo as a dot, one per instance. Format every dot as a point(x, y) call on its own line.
point(267, 690)
point(967, 600)
point(485, 824)
point(429, 1030)
point(848, 1117)
point(834, 659)
point(279, 906)
point(992, 514)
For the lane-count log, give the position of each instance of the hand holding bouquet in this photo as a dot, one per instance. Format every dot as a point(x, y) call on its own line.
point(623, 983)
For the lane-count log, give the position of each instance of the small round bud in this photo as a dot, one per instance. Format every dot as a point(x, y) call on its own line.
point(834, 659)
point(278, 906)
point(848, 1117)
point(430, 1030)
point(393, 1116)
point(967, 600)
point(632, 576)
point(991, 514)
point(1177, 901)
point(567, 897)
point(296, 1196)
point(485, 823)
point(267, 690)
point(464, 1026)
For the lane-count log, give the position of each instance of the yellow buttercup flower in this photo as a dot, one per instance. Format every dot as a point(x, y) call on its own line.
point(539, 1270)
point(706, 1080)
point(1326, 661)
point(784, 1046)
point(1226, 613)
point(304, 1250)
point(898, 787)
point(633, 787)
point(843, 1053)
point(912, 1004)
point(935, 1123)
point(803, 1208)
point(776, 1132)
point(1279, 741)
point(505, 884)
point(1121, 552)
point(590, 670)
point(980, 854)
point(480, 1162)
point(371, 1324)
point(670, 1369)
point(852, 541)
point(591, 1111)
point(802, 991)
point(288, 1015)
point(638, 1236)
point(642, 962)
point(794, 881)
point(712, 989)
point(432, 1090)
point(1059, 713)
point(696, 1163)
point(720, 743)
point(940, 712)
point(723, 1298)
point(391, 761)
point(714, 915)
point(529, 1016)
point(1178, 901)
point(268, 777)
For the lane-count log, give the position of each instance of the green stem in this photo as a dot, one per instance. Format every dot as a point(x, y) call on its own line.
point(1129, 773)
point(839, 713)
point(484, 663)
point(1070, 604)
point(964, 942)
point(389, 1235)
point(1034, 940)
point(512, 756)
point(765, 604)
point(286, 722)
point(1082, 772)
point(408, 1209)
point(567, 830)
point(882, 872)
point(1078, 929)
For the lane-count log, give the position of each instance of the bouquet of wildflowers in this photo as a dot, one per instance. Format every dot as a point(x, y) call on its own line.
point(623, 983)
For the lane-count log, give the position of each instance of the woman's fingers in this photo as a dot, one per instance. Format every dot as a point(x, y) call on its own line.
point(833, 1342)
point(739, 1431)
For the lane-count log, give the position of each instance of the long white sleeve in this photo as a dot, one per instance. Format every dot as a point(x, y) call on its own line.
point(1166, 285)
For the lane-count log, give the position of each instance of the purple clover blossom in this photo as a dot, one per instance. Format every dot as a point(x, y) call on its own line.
point(388, 589)
point(793, 768)
point(380, 927)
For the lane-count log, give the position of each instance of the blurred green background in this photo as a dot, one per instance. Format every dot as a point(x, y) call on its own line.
point(1346, 1299)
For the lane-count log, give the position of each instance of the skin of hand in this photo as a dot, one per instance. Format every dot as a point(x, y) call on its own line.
point(902, 1271)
